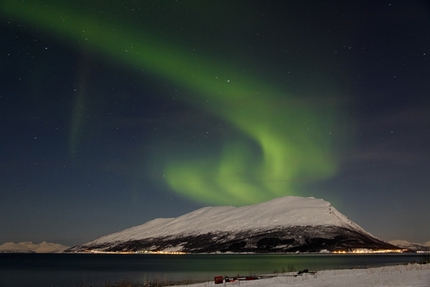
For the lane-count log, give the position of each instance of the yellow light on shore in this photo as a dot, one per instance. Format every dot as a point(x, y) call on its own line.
point(368, 251)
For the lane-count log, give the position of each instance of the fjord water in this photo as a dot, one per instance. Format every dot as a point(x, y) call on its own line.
point(39, 270)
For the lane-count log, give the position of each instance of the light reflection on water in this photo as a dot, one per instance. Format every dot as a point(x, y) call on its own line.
point(36, 270)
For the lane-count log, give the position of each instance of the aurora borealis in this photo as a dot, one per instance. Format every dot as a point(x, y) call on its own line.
point(290, 141)
point(192, 104)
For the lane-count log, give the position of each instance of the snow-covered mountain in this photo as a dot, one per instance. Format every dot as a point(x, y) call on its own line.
point(411, 246)
point(286, 224)
point(30, 247)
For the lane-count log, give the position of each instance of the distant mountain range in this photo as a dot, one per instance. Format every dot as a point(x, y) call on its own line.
point(30, 247)
point(411, 246)
point(287, 224)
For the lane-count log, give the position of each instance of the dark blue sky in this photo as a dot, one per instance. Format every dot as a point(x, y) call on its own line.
point(95, 140)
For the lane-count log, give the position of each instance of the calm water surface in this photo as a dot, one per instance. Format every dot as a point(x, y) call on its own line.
point(39, 270)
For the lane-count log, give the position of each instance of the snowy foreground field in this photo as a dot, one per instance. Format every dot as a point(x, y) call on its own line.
point(399, 275)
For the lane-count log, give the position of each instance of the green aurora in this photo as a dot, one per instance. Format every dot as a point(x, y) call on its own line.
point(294, 144)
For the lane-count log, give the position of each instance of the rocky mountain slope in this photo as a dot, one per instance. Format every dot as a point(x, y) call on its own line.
point(287, 224)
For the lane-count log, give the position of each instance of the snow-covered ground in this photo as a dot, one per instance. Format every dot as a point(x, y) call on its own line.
point(399, 275)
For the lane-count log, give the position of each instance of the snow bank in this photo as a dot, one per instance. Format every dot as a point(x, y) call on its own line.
point(399, 275)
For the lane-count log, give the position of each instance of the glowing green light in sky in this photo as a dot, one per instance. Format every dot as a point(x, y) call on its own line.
point(292, 143)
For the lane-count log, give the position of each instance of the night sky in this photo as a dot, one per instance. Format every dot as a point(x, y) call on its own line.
point(114, 113)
